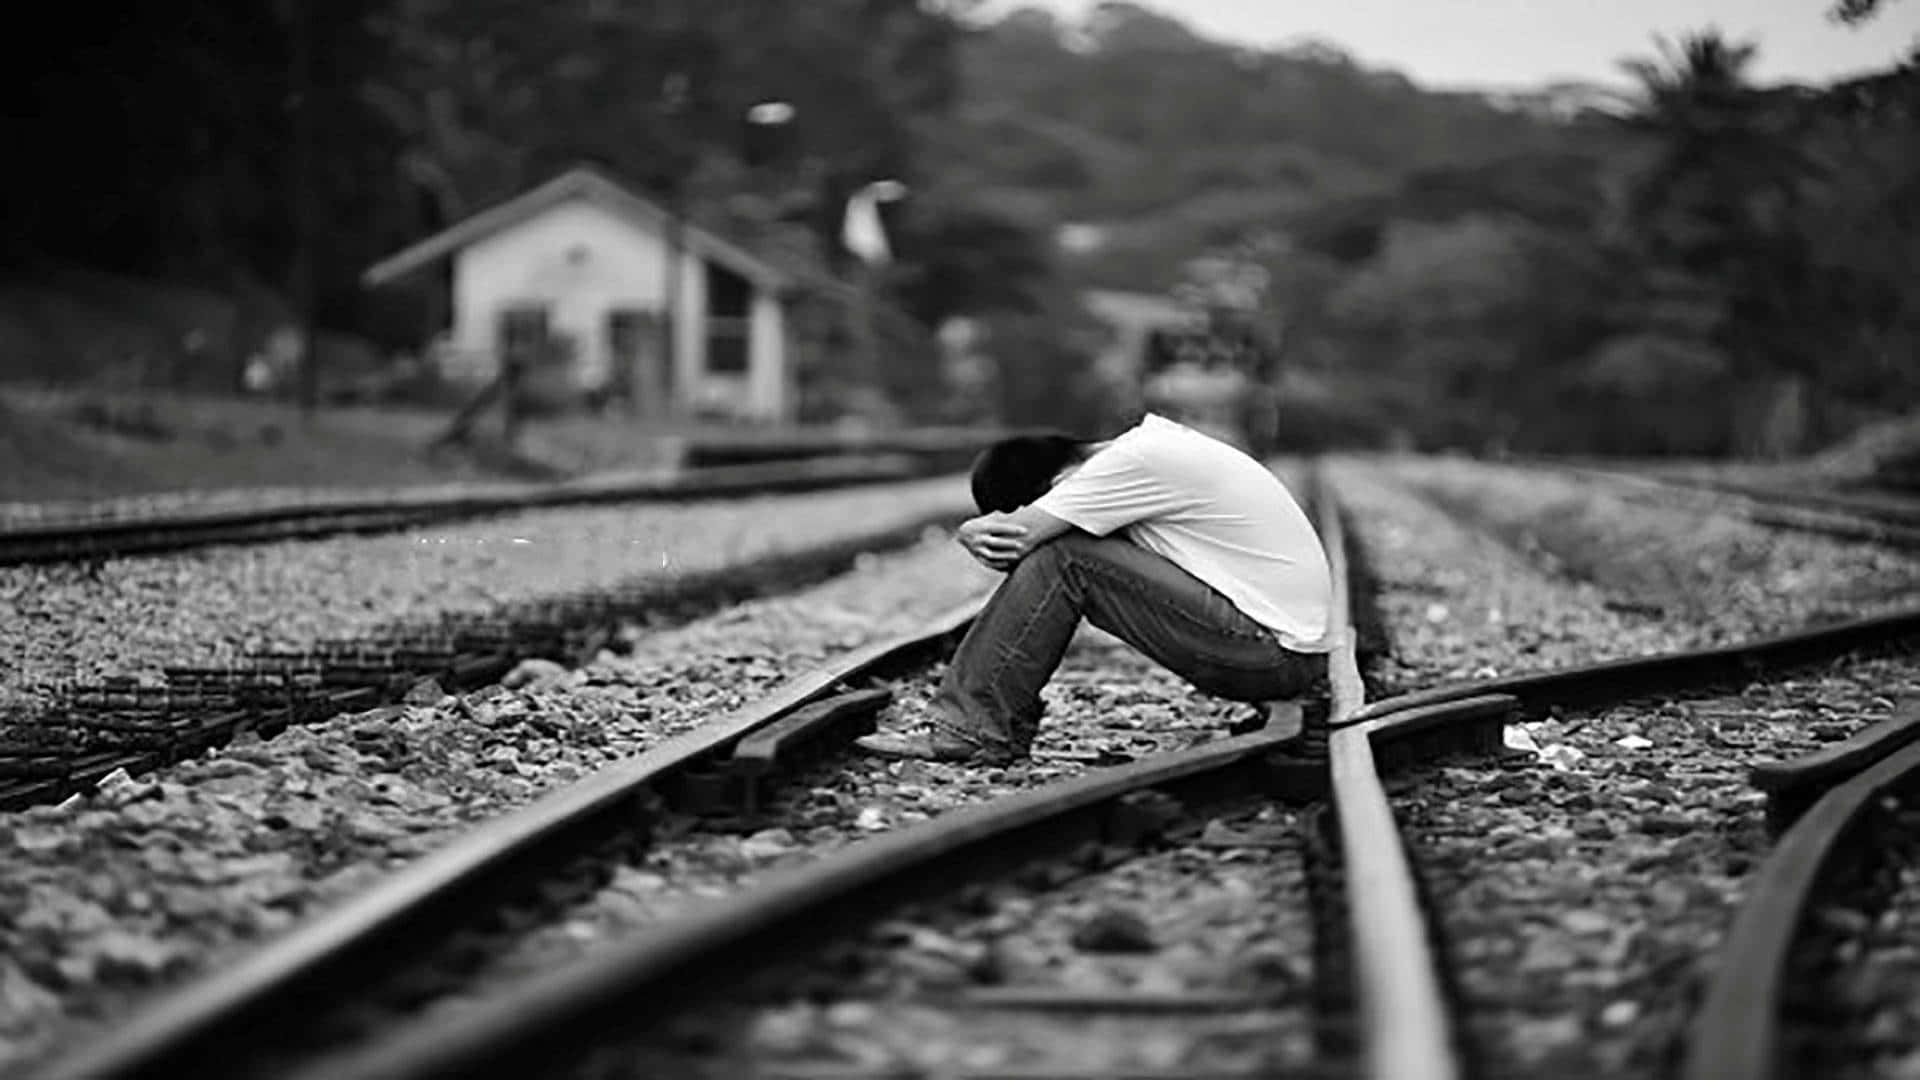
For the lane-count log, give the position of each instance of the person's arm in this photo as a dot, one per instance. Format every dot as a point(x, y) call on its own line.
point(998, 541)
point(1113, 489)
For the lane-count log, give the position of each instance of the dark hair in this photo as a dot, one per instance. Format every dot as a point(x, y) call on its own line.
point(1013, 472)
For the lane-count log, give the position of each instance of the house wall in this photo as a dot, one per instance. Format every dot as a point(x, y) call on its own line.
point(578, 260)
point(690, 341)
point(769, 393)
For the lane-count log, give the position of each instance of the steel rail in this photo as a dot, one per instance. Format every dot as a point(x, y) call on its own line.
point(1736, 1034)
point(181, 1035)
point(1792, 786)
point(1612, 680)
point(530, 1022)
point(1409, 1033)
point(527, 1026)
point(1407, 1030)
point(359, 513)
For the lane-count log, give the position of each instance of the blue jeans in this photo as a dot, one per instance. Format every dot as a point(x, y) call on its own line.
point(991, 693)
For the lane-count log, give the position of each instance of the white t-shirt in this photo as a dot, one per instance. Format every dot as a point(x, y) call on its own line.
point(1215, 513)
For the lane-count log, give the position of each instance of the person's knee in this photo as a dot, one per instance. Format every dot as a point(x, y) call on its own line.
point(1049, 559)
point(1075, 549)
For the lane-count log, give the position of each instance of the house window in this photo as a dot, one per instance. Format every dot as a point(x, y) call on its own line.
point(729, 324)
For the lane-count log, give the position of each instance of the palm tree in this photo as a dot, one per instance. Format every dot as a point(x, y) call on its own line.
point(1727, 165)
point(1715, 214)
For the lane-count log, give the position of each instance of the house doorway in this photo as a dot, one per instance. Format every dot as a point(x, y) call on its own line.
point(524, 337)
point(638, 372)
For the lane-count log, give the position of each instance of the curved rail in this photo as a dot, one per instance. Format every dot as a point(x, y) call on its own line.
point(1792, 786)
point(359, 513)
point(182, 1035)
point(1736, 1034)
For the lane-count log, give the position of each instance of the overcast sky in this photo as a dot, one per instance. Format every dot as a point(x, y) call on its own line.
point(1516, 42)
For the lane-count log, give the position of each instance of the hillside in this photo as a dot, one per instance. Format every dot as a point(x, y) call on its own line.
point(1164, 143)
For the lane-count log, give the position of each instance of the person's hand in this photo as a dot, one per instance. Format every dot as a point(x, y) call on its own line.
point(995, 542)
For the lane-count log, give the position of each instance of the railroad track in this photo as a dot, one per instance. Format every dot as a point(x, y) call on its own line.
point(1391, 1014)
point(1878, 518)
point(1819, 960)
point(115, 534)
point(93, 731)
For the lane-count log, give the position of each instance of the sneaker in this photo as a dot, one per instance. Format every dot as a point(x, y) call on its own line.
point(933, 745)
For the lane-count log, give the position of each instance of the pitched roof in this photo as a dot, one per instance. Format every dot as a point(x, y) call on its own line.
point(583, 183)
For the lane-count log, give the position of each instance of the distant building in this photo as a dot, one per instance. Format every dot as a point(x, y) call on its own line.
point(1141, 326)
point(574, 275)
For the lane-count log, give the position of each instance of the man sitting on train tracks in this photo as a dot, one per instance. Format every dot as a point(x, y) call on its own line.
point(1173, 541)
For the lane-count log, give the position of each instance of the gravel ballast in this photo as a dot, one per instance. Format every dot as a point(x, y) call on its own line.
point(1191, 919)
point(1579, 893)
point(1585, 904)
point(129, 617)
point(1107, 705)
point(159, 878)
point(1581, 890)
point(1502, 574)
point(1457, 604)
point(1735, 578)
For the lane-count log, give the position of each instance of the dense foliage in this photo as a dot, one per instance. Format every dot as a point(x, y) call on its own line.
point(1703, 265)
point(1707, 265)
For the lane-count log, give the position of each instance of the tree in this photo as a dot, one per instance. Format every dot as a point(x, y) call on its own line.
point(1717, 208)
point(1855, 11)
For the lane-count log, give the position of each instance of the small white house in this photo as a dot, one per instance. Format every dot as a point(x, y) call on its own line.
point(577, 272)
